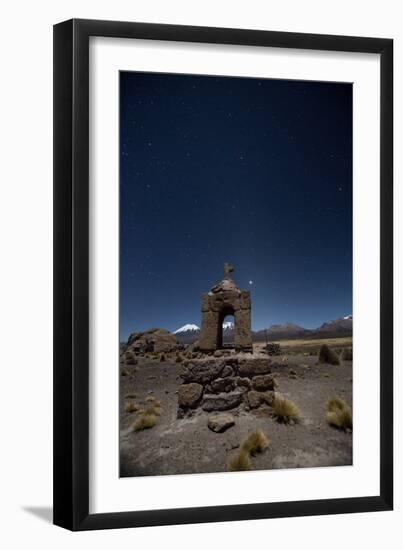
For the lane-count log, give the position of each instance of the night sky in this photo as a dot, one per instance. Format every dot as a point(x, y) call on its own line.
point(255, 172)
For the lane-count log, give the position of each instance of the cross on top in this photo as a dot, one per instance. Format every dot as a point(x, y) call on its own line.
point(228, 268)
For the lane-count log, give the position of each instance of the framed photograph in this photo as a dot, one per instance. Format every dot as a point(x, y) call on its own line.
point(223, 320)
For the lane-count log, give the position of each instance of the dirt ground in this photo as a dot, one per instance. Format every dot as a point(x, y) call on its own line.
point(181, 446)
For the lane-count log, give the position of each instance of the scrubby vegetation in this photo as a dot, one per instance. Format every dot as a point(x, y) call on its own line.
point(131, 407)
point(256, 442)
point(240, 462)
point(327, 355)
point(338, 414)
point(162, 357)
point(285, 410)
point(144, 421)
point(147, 415)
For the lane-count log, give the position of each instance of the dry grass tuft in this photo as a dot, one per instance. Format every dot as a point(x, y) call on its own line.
point(327, 355)
point(179, 358)
point(131, 407)
point(338, 414)
point(256, 442)
point(285, 410)
point(144, 421)
point(240, 462)
point(130, 396)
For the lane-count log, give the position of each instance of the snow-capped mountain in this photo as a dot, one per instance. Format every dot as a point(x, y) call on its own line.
point(189, 333)
point(337, 327)
point(187, 328)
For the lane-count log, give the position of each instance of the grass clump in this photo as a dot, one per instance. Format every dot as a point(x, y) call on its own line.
point(285, 410)
point(240, 462)
point(347, 354)
point(131, 407)
point(162, 357)
point(178, 358)
point(338, 414)
point(144, 421)
point(327, 355)
point(256, 442)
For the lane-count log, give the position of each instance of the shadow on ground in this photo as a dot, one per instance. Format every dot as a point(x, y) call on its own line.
point(45, 513)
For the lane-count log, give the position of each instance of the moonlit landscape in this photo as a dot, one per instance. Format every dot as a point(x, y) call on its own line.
point(235, 274)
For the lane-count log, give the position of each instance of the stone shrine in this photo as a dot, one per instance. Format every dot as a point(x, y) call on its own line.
point(225, 299)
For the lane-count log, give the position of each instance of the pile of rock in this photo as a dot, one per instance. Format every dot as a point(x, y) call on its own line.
point(273, 349)
point(218, 384)
point(154, 340)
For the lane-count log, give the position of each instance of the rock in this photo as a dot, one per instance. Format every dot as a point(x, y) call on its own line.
point(254, 366)
point(220, 422)
point(263, 382)
point(217, 353)
point(273, 349)
point(254, 399)
point(223, 385)
point(267, 397)
point(232, 362)
point(243, 383)
point(189, 395)
point(129, 358)
point(227, 371)
point(221, 401)
point(203, 371)
point(155, 340)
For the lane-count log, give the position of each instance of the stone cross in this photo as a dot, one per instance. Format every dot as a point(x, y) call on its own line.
point(228, 268)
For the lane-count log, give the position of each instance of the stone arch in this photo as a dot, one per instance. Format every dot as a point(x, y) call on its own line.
point(224, 312)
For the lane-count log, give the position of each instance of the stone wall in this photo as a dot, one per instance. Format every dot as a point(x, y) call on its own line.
point(219, 384)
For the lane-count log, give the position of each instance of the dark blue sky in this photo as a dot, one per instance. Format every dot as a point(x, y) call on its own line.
point(250, 171)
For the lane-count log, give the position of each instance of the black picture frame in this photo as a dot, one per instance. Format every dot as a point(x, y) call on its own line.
point(71, 274)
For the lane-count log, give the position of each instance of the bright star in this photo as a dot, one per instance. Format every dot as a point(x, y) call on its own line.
point(251, 282)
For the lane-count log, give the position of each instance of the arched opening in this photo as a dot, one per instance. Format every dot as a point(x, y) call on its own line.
point(226, 329)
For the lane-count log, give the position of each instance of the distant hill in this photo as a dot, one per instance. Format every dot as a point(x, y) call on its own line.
point(278, 332)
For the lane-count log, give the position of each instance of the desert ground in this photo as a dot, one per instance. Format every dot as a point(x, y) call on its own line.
point(187, 445)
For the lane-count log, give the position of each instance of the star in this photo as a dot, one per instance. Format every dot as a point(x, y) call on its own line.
point(251, 282)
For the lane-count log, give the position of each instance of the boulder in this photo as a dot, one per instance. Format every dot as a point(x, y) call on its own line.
point(254, 399)
point(257, 398)
point(189, 395)
point(263, 382)
point(243, 383)
point(254, 366)
point(155, 340)
point(221, 401)
point(223, 385)
point(129, 358)
point(202, 371)
point(227, 371)
point(220, 422)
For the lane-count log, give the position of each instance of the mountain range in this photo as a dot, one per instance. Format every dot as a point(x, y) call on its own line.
point(336, 328)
